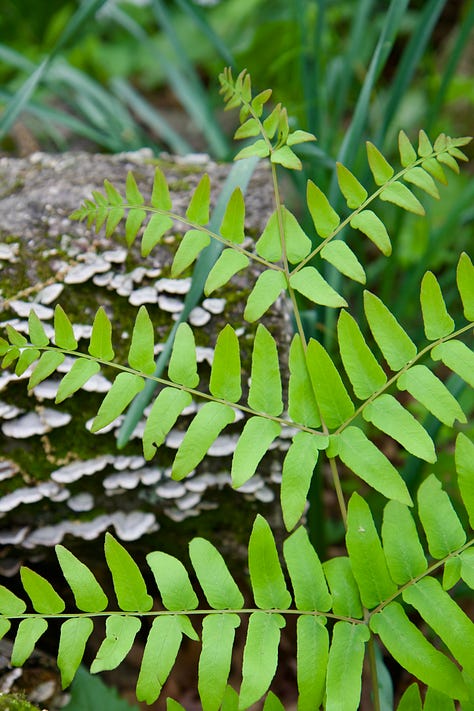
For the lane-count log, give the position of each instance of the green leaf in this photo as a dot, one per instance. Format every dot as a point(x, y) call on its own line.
point(27, 357)
point(464, 458)
point(233, 223)
point(432, 167)
point(182, 367)
point(260, 100)
point(302, 406)
point(129, 585)
point(134, 221)
point(36, 331)
point(219, 587)
point(363, 457)
point(272, 703)
point(297, 243)
point(424, 145)
point(373, 227)
point(445, 617)
point(365, 373)
point(366, 554)
point(132, 193)
point(120, 631)
point(225, 380)
point(260, 656)
point(201, 433)
point(88, 594)
point(403, 550)
point(159, 656)
point(265, 394)
point(160, 197)
point(72, 643)
point(344, 670)
point(309, 282)
point(11, 354)
point(396, 346)
point(113, 195)
point(306, 573)
point(452, 572)
point(353, 191)
point(343, 258)
point(325, 218)
point(343, 587)
point(140, 354)
point(82, 370)
point(172, 581)
point(436, 701)
point(114, 217)
point(229, 263)
point(286, 157)
point(5, 626)
point(29, 632)
point(265, 292)
point(413, 652)
point(333, 400)
point(43, 596)
point(442, 526)
point(422, 179)
point(15, 338)
point(198, 208)
point(298, 136)
point(449, 161)
point(437, 322)
point(298, 467)
point(379, 166)
point(411, 699)
point(193, 242)
point(10, 604)
point(100, 345)
point(311, 661)
point(458, 357)
point(467, 567)
point(252, 445)
point(465, 282)
point(164, 412)
point(389, 416)
point(424, 386)
point(120, 395)
point(268, 244)
point(408, 155)
point(156, 227)
point(250, 128)
point(398, 194)
point(218, 633)
point(271, 122)
point(266, 576)
point(47, 364)
point(172, 705)
point(260, 149)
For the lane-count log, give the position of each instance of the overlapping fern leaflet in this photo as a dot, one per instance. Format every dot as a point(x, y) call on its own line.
point(341, 605)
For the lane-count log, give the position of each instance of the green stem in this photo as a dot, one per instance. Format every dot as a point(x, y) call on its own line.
point(373, 673)
point(338, 488)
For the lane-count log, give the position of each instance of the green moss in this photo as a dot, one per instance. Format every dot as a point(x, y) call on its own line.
point(16, 702)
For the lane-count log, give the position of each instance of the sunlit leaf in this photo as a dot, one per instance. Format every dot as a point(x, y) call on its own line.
point(140, 354)
point(298, 467)
point(172, 581)
point(72, 643)
point(437, 322)
point(156, 227)
point(395, 344)
point(120, 631)
point(443, 528)
point(265, 393)
point(402, 547)
point(219, 587)
point(333, 400)
point(163, 414)
point(265, 292)
point(225, 380)
point(373, 227)
point(379, 166)
point(100, 345)
point(218, 632)
point(88, 594)
point(120, 395)
point(325, 218)
point(129, 585)
point(309, 282)
point(28, 633)
point(306, 573)
point(268, 583)
point(43, 596)
point(229, 263)
point(353, 191)
point(260, 656)
point(159, 656)
point(344, 671)
point(343, 258)
point(193, 242)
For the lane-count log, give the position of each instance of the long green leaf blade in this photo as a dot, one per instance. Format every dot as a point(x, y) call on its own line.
point(389, 416)
point(164, 412)
point(458, 357)
point(229, 263)
point(442, 526)
point(233, 223)
point(28, 633)
point(87, 592)
point(311, 661)
point(100, 345)
point(159, 656)
point(344, 671)
point(156, 227)
point(173, 581)
point(379, 166)
point(47, 364)
point(72, 643)
point(363, 457)
point(63, 331)
point(332, 397)
point(414, 653)
point(411, 699)
point(182, 367)
point(193, 242)
point(10, 604)
point(268, 583)
point(341, 256)
point(372, 226)
point(395, 344)
point(353, 191)
point(325, 218)
point(425, 387)
point(43, 596)
point(400, 195)
point(464, 459)
point(401, 544)
point(120, 395)
point(82, 370)
point(219, 587)
point(141, 355)
point(309, 282)
point(225, 380)
point(366, 555)
point(298, 466)
point(120, 631)
point(129, 585)
point(445, 617)
point(365, 373)
point(343, 587)
point(306, 573)
point(465, 282)
point(198, 209)
point(302, 406)
point(260, 656)
point(218, 633)
point(265, 394)
point(437, 322)
point(253, 444)
point(201, 433)
point(265, 292)
point(160, 197)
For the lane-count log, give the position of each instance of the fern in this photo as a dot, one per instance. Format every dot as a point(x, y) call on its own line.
point(331, 402)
